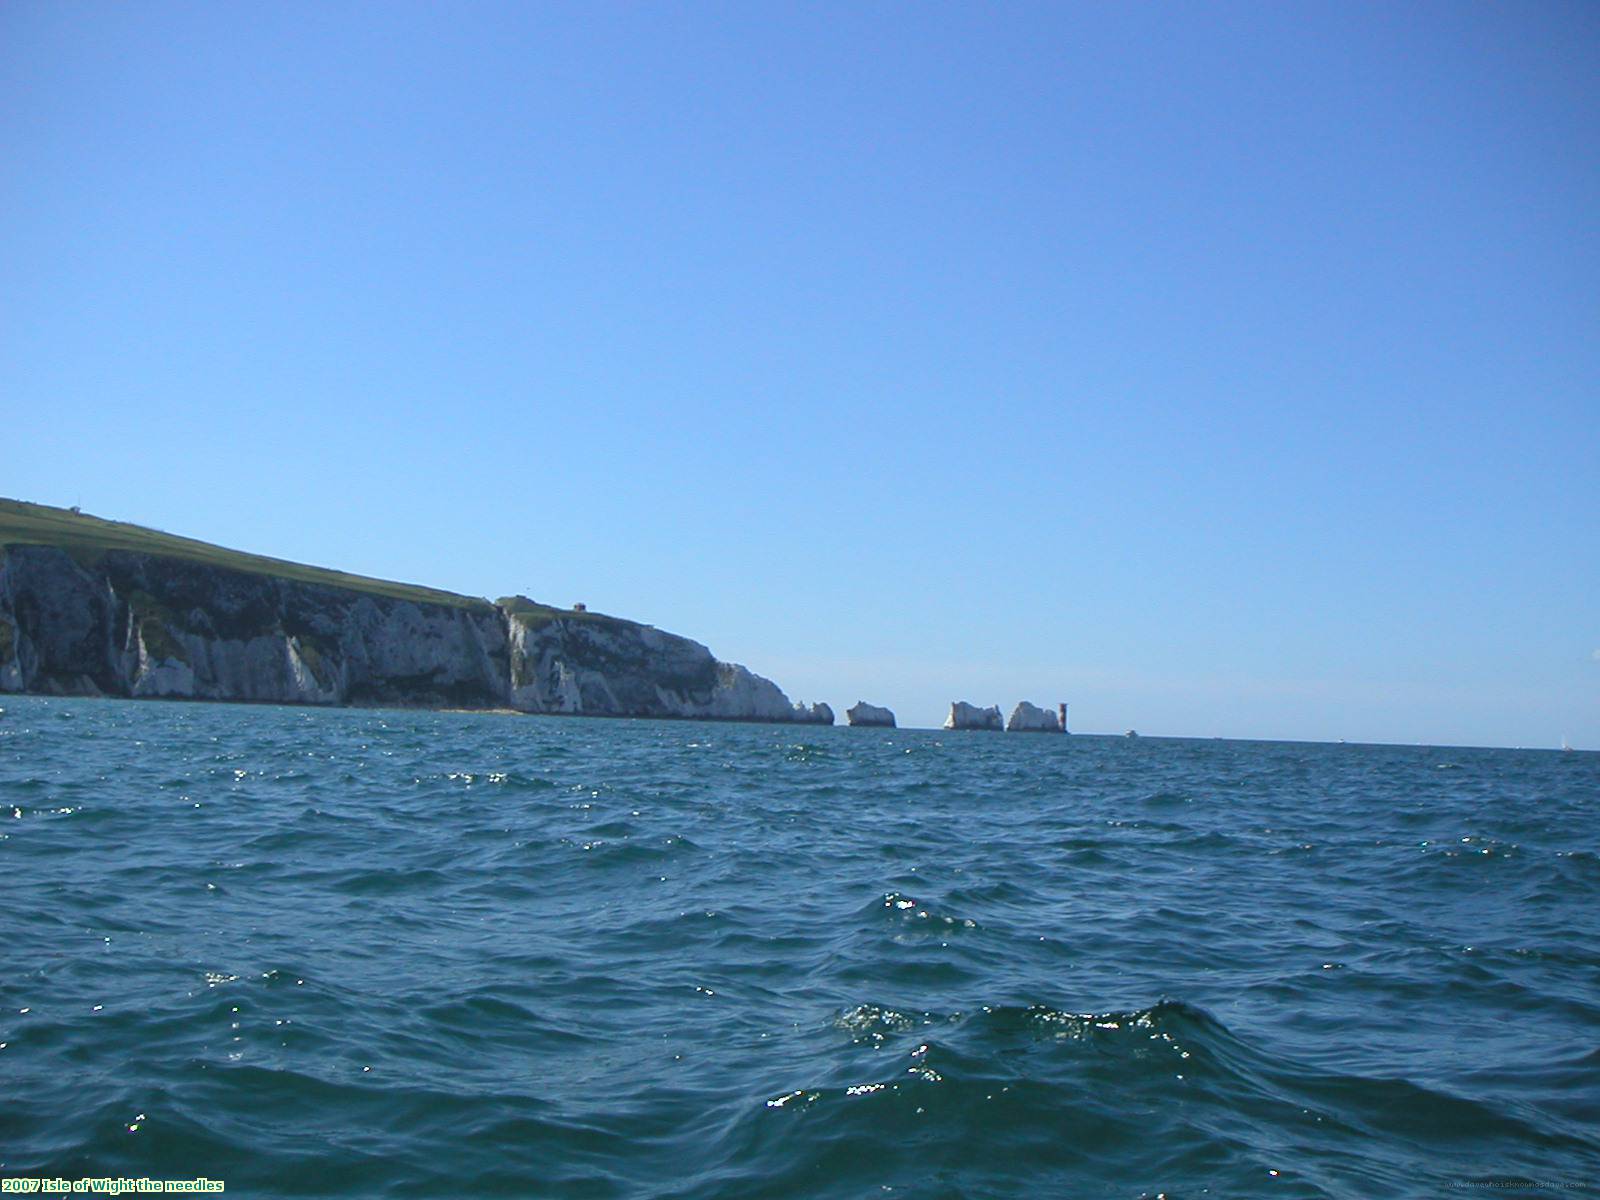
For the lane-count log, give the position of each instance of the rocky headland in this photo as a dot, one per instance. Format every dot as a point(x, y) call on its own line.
point(99, 608)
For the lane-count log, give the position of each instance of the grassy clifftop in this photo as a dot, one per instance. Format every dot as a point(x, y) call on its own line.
point(531, 612)
point(86, 538)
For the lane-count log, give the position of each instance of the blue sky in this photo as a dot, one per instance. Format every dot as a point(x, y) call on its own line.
point(1222, 369)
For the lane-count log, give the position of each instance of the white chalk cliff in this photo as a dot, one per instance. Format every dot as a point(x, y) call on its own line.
point(124, 623)
point(862, 713)
point(1030, 718)
point(970, 716)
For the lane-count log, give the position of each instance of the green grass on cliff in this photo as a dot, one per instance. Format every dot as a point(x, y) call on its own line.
point(532, 612)
point(86, 538)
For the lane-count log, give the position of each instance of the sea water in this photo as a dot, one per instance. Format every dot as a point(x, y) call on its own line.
point(389, 953)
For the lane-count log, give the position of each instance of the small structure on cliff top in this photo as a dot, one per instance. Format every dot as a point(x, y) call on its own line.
point(102, 608)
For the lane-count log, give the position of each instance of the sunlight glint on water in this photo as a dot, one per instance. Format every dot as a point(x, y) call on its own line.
point(394, 953)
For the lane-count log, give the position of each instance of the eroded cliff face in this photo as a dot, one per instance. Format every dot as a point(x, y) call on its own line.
point(579, 663)
point(127, 624)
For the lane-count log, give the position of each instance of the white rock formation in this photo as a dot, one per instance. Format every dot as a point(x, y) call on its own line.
point(742, 695)
point(970, 716)
point(583, 665)
point(132, 624)
point(869, 714)
point(167, 675)
point(812, 714)
point(1030, 718)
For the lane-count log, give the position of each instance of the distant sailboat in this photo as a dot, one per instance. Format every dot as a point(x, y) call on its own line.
point(1566, 748)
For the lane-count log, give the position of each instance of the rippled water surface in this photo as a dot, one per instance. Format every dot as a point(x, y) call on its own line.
point(430, 954)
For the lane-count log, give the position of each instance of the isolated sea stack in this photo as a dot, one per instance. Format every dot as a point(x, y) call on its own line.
point(863, 713)
point(100, 608)
point(812, 714)
point(970, 716)
point(1030, 718)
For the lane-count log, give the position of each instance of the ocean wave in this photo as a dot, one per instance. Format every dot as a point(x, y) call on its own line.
point(902, 910)
point(344, 954)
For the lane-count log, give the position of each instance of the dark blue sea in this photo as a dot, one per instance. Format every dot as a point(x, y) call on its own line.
point(388, 953)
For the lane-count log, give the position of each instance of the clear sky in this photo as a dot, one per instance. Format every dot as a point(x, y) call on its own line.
point(1222, 369)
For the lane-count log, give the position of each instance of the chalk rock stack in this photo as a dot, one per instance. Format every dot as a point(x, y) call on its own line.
point(1030, 718)
point(970, 716)
point(812, 714)
point(869, 714)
